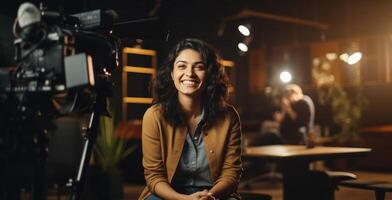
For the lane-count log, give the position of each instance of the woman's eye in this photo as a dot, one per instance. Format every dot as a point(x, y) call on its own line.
point(181, 66)
point(199, 67)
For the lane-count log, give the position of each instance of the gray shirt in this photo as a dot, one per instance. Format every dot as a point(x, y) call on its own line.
point(193, 169)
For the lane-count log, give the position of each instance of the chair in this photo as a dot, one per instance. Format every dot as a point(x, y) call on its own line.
point(379, 187)
point(322, 184)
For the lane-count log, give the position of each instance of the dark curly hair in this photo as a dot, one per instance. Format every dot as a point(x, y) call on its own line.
point(214, 97)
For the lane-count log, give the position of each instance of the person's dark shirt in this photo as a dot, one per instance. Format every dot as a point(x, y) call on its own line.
point(294, 131)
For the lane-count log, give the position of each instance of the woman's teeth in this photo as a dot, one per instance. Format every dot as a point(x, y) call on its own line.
point(189, 82)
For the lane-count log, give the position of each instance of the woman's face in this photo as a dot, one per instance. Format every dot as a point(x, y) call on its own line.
point(189, 73)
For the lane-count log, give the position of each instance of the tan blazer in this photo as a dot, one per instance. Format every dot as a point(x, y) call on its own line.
point(162, 147)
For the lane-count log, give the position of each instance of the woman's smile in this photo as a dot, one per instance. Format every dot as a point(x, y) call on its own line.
point(190, 82)
point(188, 73)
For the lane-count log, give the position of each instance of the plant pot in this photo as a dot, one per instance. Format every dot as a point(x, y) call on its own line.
point(104, 185)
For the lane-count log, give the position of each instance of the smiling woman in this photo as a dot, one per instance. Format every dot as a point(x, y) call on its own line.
point(188, 73)
point(191, 136)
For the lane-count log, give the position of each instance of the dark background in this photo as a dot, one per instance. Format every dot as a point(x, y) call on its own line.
point(160, 23)
point(176, 19)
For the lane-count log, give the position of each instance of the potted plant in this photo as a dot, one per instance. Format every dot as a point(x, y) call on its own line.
point(346, 108)
point(109, 150)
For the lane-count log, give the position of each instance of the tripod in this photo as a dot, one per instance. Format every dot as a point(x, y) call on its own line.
point(88, 142)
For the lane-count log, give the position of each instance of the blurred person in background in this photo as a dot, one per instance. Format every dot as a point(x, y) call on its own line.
point(296, 117)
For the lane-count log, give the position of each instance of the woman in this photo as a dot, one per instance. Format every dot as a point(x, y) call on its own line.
point(191, 136)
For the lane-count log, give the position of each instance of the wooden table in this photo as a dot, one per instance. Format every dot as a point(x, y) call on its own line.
point(295, 160)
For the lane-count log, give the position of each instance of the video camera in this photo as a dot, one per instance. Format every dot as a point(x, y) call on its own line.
point(60, 60)
point(57, 53)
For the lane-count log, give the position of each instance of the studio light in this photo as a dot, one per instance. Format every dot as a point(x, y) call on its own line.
point(244, 30)
point(242, 47)
point(285, 76)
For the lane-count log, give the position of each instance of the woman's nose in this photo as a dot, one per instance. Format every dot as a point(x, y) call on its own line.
point(189, 71)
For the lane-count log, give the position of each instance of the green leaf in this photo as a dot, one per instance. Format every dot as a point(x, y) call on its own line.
point(109, 149)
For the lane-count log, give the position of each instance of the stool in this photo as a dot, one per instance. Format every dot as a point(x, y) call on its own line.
point(335, 177)
point(380, 190)
point(255, 196)
point(379, 187)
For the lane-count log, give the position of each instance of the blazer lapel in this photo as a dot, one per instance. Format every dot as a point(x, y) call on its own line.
point(209, 138)
point(177, 145)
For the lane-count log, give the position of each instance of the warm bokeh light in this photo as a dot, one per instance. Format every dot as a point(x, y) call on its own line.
point(244, 30)
point(351, 59)
point(344, 57)
point(354, 58)
point(316, 61)
point(331, 56)
point(285, 76)
point(243, 47)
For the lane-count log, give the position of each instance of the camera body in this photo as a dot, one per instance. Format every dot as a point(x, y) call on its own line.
point(62, 61)
point(64, 52)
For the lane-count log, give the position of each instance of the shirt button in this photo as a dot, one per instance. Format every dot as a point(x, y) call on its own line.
point(195, 138)
point(211, 151)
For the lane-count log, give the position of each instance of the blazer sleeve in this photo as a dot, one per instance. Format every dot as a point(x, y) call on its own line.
point(232, 164)
point(153, 163)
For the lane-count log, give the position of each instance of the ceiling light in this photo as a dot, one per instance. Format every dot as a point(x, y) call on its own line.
point(244, 30)
point(285, 76)
point(242, 47)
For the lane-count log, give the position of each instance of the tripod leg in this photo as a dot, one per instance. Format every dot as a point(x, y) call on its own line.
point(88, 144)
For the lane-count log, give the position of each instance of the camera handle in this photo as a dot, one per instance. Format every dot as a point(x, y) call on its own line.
point(88, 144)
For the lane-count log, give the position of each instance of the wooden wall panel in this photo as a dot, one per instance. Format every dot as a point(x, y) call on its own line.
point(258, 70)
point(320, 50)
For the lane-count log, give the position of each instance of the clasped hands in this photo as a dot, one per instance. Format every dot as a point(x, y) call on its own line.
point(285, 105)
point(202, 195)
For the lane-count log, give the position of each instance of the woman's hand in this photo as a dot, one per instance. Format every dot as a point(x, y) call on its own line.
point(202, 195)
point(286, 108)
point(208, 197)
